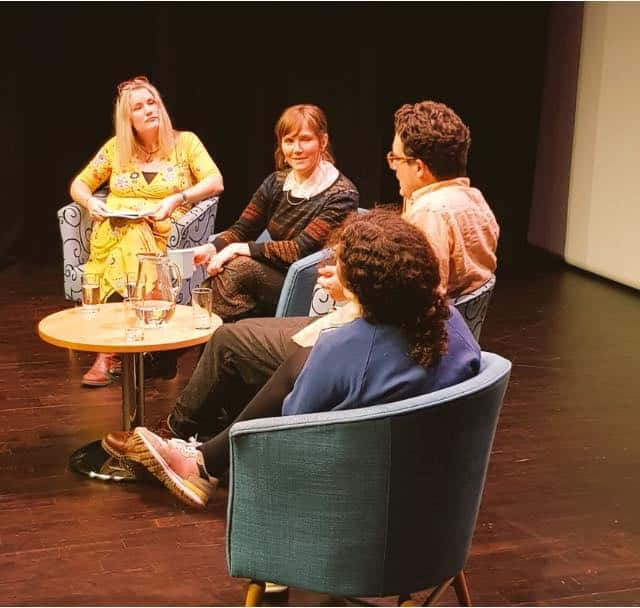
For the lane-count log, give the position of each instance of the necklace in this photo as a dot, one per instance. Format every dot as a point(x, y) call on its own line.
point(147, 156)
point(304, 199)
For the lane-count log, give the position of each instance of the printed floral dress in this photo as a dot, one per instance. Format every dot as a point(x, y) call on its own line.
point(115, 242)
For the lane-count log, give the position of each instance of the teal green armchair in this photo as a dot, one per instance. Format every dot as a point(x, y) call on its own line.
point(368, 502)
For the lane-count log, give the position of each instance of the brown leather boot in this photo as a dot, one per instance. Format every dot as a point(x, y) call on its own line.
point(114, 443)
point(97, 375)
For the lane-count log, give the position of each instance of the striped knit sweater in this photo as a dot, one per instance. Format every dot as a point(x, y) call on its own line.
point(298, 227)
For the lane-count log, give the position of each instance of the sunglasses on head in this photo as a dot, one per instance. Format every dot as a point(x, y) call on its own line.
point(133, 82)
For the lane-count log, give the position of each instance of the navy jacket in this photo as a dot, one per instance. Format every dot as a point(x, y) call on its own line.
point(360, 364)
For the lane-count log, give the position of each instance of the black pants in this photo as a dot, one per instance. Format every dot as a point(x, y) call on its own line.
point(235, 364)
point(267, 402)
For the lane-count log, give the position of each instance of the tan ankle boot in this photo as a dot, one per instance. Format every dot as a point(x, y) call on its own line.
point(97, 375)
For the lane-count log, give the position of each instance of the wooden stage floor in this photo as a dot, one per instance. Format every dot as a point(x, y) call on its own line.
point(560, 518)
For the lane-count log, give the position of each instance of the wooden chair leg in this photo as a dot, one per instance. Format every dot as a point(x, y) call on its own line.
point(276, 589)
point(255, 593)
point(436, 594)
point(462, 590)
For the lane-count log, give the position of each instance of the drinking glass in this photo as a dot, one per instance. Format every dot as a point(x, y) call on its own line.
point(201, 307)
point(133, 331)
point(90, 293)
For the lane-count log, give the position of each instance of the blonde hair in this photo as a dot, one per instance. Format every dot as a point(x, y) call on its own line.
point(126, 141)
point(292, 120)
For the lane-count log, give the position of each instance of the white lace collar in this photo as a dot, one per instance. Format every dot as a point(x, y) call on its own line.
point(322, 177)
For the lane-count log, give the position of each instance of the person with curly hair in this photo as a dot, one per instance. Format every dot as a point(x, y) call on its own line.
point(386, 354)
point(429, 158)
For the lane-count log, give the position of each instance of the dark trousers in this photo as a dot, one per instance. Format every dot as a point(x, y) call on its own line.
point(235, 364)
point(267, 402)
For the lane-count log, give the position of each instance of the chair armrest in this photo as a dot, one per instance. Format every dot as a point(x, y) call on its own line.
point(195, 226)
point(493, 368)
point(297, 290)
point(480, 291)
point(473, 306)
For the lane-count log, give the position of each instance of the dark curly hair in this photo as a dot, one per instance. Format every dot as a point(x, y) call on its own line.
point(436, 135)
point(390, 267)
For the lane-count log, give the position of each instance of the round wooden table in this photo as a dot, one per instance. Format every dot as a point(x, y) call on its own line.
point(103, 332)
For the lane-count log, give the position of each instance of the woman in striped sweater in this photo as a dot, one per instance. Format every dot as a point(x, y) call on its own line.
point(299, 204)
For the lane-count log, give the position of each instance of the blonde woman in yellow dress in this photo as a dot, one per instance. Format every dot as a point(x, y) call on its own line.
point(150, 167)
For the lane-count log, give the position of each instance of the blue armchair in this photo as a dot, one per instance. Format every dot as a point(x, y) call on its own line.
point(190, 230)
point(376, 501)
point(300, 295)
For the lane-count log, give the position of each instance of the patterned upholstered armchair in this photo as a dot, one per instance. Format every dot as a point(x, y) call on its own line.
point(190, 230)
point(473, 306)
point(376, 501)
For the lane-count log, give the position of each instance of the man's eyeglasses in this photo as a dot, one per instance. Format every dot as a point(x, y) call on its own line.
point(394, 159)
point(134, 82)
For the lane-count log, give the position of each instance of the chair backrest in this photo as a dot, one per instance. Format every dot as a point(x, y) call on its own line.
point(192, 229)
point(297, 290)
point(370, 502)
point(300, 296)
point(473, 306)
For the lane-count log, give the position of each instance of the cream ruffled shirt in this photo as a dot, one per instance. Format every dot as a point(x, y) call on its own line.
point(322, 177)
point(342, 314)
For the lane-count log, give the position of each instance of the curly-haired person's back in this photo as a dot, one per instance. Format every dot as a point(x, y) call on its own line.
point(390, 267)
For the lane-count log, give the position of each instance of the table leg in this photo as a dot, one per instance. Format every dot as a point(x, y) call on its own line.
point(91, 459)
point(132, 390)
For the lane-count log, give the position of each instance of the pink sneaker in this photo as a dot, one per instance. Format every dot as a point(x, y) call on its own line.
point(176, 463)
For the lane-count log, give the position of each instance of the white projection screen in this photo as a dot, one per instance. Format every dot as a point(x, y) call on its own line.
point(603, 214)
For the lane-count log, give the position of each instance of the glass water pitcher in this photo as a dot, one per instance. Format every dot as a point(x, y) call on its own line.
point(158, 284)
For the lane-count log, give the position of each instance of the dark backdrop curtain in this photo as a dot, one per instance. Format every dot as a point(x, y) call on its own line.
point(226, 71)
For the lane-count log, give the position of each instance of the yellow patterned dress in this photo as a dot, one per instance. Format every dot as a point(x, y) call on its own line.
point(115, 242)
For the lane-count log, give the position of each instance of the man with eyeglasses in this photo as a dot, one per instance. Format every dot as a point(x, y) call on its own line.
point(429, 157)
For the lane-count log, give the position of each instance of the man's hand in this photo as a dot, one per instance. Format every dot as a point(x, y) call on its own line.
point(221, 258)
point(328, 278)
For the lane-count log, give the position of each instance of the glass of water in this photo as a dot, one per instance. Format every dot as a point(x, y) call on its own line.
point(133, 331)
point(90, 293)
point(201, 307)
